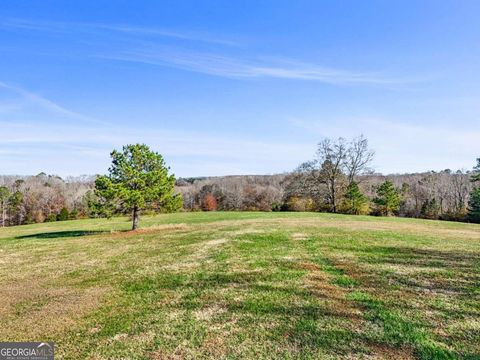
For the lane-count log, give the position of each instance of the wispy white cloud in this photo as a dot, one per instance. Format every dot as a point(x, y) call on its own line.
point(121, 29)
point(239, 67)
point(184, 35)
point(143, 45)
point(30, 97)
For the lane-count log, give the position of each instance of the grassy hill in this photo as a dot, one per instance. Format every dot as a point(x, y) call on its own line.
point(244, 285)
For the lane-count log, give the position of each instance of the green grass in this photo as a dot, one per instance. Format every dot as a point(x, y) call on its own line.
point(244, 285)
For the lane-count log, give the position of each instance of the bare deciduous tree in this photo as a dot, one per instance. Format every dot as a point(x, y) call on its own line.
point(337, 162)
point(358, 157)
point(331, 157)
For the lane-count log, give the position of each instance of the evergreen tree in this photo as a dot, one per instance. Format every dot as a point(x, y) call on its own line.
point(474, 202)
point(73, 214)
point(15, 208)
point(430, 209)
point(51, 218)
point(476, 172)
point(138, 179)
point(388, 199)
point(355, 202)
point(97, 207)
point(474, 206)
point(63, 215)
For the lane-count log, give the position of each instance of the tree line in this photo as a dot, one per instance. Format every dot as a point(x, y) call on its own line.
point(338, 179)
point(42, 198)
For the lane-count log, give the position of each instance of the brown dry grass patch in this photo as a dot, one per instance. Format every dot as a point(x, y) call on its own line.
point(45, 313)
point(384, 352)
point(319, 284)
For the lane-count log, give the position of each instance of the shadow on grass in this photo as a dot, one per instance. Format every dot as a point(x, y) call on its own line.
point(60, 234)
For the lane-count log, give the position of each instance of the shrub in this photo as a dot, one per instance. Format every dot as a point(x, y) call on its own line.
point(209, 202)
point(51, 218)
point(296, 203)
point(73, 214)
point(276, 206)
point(63, 215)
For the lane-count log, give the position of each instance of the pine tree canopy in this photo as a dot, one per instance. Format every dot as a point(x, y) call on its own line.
point(138, 179)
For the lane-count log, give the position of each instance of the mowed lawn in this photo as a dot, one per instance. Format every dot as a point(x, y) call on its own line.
point(244, 286)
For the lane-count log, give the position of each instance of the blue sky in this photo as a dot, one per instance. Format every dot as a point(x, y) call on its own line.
point(245, 87)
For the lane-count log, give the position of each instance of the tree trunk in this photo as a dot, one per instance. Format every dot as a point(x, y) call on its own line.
point(334, 196)
point(136, 218)
point(4, 214)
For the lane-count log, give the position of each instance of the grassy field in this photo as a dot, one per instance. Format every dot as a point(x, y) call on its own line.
point(244, 285)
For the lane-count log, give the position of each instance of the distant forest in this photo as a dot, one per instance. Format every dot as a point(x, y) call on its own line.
point(431, 195)
point(337, 180)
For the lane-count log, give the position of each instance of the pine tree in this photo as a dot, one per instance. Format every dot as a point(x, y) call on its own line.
point(15, 208)
point(138, 179)
point(73, 214)
point(430, 209)
point(476, 172)
point(473, 214)
point(63, 215)
point(388, 199)
point(355, 202)
point(474, 206)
